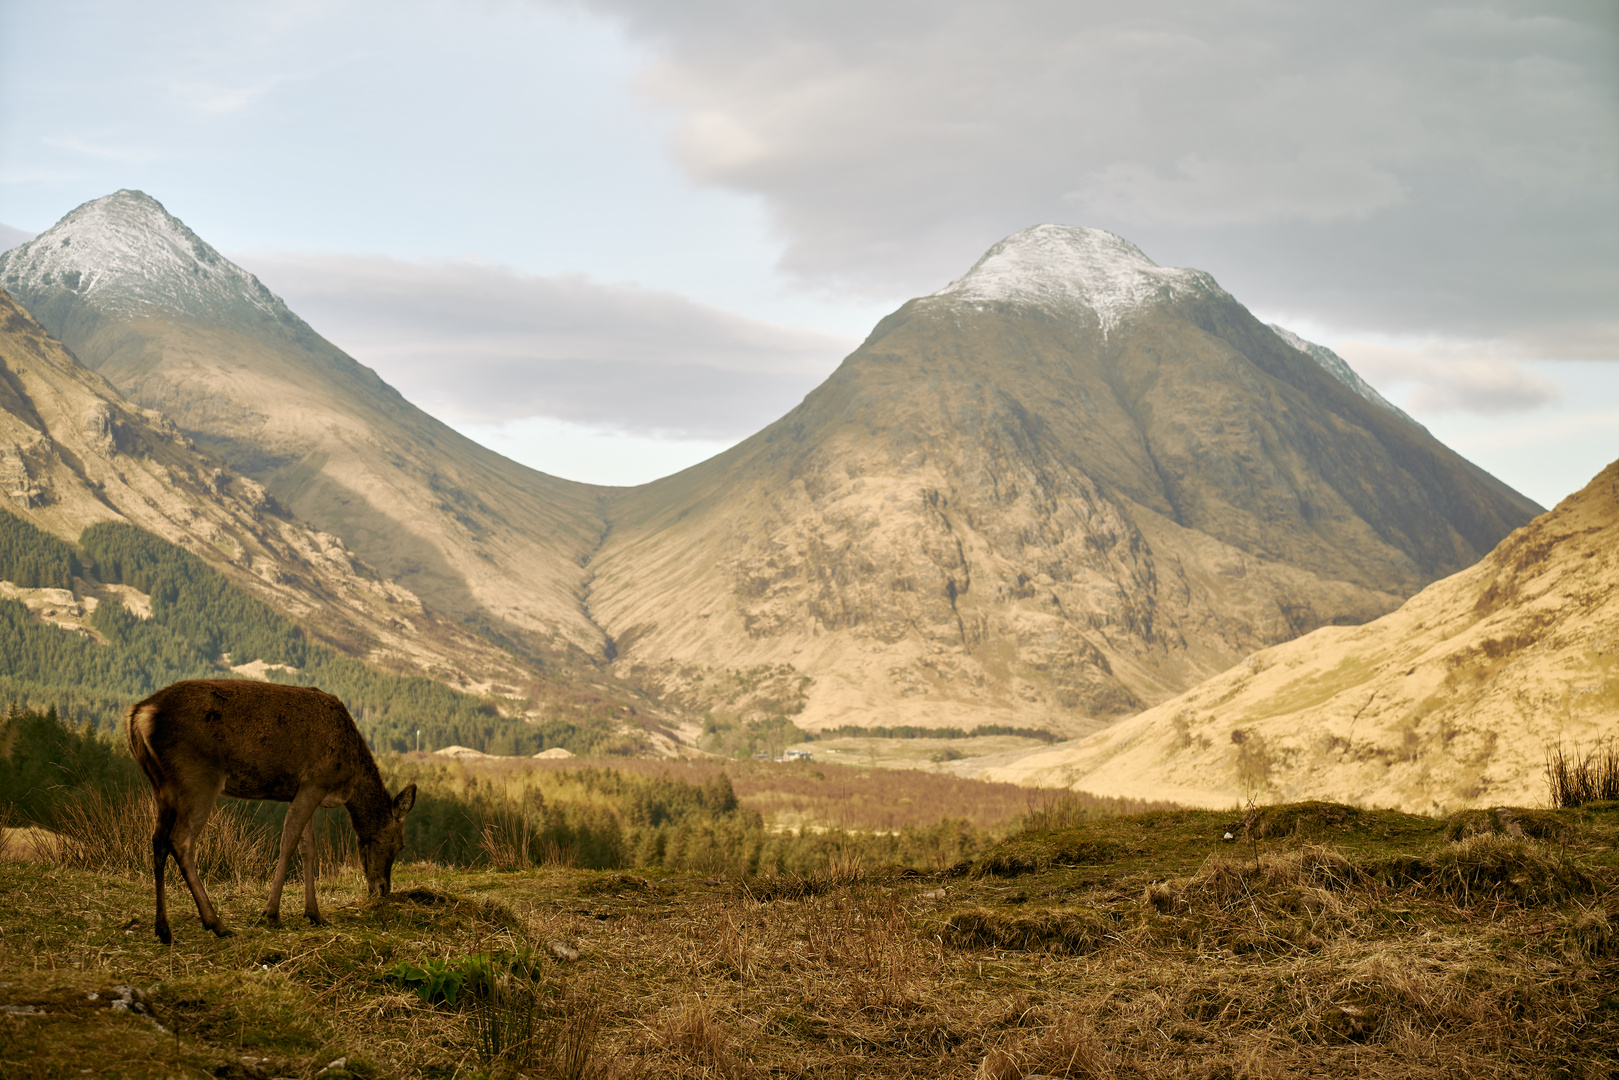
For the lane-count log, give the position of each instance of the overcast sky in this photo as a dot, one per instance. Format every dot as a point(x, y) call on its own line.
point(610, 237)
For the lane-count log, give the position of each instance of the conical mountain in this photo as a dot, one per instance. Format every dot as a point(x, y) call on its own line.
point(74, 453)
point(175, 326)
point(1451, 701)
point(1065, 487)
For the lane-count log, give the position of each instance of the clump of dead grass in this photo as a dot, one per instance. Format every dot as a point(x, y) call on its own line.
point(1589, 934)
point(110, 832)
point(574, 1046)
point(504, 1019)
point(1303, 819)
point(1307, 882)
point(1308, 866)
point(1281, 902)
point(844, 871)
point(696, 1035)
point(1508, 821)
point(507, 840)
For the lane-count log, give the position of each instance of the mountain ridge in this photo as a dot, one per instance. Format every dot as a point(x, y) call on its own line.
point(1066, 486)
point(1450, 701)
point(205, 343)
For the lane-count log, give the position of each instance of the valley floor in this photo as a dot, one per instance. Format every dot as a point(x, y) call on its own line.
point(1320, 940)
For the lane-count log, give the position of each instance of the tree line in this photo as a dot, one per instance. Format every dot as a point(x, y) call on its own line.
point(198, 616)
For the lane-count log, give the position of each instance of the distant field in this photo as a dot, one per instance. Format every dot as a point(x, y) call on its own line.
point(916, 753)
point(824, 794)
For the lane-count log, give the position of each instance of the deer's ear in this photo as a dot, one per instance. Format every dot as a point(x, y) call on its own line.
point(404, 801)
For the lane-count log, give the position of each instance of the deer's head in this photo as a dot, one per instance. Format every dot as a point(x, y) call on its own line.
point(378, 852)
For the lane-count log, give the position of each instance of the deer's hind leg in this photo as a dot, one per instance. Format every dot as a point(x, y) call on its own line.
point(191, 815)
point(162, 847)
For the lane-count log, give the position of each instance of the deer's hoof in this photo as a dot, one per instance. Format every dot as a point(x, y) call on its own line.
point(223, 931)
point(273, 918)
point(163, 934)
point(315, 919)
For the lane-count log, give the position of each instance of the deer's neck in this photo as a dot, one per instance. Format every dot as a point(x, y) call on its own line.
point(369, 805)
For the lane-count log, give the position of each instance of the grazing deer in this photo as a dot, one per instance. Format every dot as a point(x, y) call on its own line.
point(199, 739)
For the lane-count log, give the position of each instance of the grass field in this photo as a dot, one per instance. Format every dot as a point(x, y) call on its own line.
point(1320, 940)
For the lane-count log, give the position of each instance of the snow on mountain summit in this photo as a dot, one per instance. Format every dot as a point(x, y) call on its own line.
point(1339, 369)
point(1064, 266)
point(126, 255)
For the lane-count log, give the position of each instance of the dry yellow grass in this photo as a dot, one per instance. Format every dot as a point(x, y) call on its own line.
point(1322, 941)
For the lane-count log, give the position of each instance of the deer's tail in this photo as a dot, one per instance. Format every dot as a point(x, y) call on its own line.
point(139, 724)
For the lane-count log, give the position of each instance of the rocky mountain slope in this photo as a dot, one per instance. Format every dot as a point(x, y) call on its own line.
point(1063, 488)
point(1338, 368)
point(1450, 701)
point(73, 452)
point(175, 326)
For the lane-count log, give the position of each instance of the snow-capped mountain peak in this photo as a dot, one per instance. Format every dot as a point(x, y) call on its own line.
point(1068, 266)
point(128, 256)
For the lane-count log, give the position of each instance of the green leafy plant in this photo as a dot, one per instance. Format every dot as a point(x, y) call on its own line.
point(433, 980)
point(476, 977)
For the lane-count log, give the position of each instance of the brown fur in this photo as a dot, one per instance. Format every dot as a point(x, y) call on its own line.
point(199, 739)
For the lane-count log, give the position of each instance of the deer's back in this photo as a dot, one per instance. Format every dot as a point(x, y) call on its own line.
point(265, 739)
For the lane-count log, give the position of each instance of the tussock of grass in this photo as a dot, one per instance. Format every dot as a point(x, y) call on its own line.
point(693, 1033)
point(1575, 779)
point(110, 832)
point(1507, 821)
point(1067, 1048)
point(1492, 868)
point(1037, 850)
point(1225, 880)
point(1308, 820)
point(1071, 932)
point(841, 873)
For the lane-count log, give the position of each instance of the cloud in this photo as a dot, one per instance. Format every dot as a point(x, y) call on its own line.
point(98, 146)
point(1389, 167)
point(1439, 377)
point(1196, 191)
point(480, 344)
point(217, 98)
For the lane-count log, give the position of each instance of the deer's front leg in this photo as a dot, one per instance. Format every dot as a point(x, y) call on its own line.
point(298, 817)
point(306, 852)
